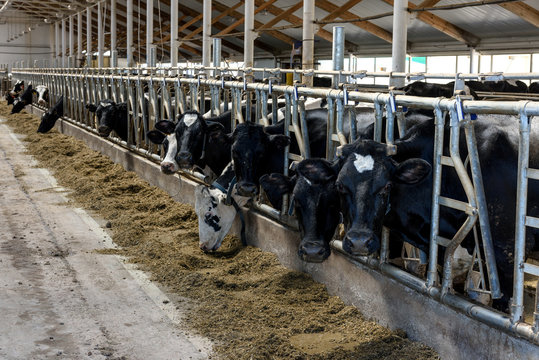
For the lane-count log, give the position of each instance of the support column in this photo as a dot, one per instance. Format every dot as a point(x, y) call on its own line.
point(100, 35)
point(52, 41)
point(112, 25)
point(206, 33)
point(130, 61)
point(79, 39)
point(474, 63)
point(64, 43)
point(71, 40)
point(88, 37)
point(174, 33)
point(398, 48)
point(249, 39)
point(308, 40)
point(338, 53)
point(57, 44)
point(149, 31)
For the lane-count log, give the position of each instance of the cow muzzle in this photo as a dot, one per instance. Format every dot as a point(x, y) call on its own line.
point(168, 168)
point(246, 189)
point(360, 242)
point(185, 159)
point(104, 130)
point(314, 251)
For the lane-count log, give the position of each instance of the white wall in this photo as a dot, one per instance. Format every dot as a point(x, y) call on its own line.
point(35, 45)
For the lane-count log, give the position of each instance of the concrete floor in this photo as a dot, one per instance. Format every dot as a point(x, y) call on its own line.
point(60, 299)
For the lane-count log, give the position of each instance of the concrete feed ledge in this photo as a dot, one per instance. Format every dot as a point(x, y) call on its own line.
point(61, 299)
point(452, 334)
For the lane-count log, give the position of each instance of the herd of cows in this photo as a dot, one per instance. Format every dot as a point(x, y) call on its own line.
point(365, 187)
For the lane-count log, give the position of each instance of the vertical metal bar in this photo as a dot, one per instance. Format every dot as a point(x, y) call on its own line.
point(398, 48)
point(340, 121)
point(57, 41)
point(390, 121)
point(100, 35)
point(338, 54)
point(89, 37)
point(206, 33)
point(439, 123)
point(112, 26)
point(248, 47)
point(295, 125)
point(71, 40)
point(330, 129)
point(79, 39)
point(174, 33)
point(304, 129)
point(517, 307)
point(64, 43)
point(308, 40)
point(129, 30)
point(149, 31)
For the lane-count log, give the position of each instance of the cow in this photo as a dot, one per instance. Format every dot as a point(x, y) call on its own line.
point(111, 116)
point(49, 118)
point(42, 95)
point(498, 86)
point(534, 88)
point(23, 100)
point(15, 92)
point(423, 89)
point(216, 210)
point(396, 191)
point(315, 200)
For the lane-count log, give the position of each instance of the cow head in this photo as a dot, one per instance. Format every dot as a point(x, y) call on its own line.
point(19, 86)
point(165, 135)
point(49, 118)
point(253, 153)
point(316, 202)
point(23, 100)
point(364, 184)
point(194, 133)
point(108, 113)
point(42, 95)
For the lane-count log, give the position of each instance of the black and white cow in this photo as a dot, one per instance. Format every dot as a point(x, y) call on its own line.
point(23, 100)
point(396, 191)
point(42, 95)
point(498, 86)
point(534, 88)
point(49, 118)
point(423, 89)
point(15, 92)
point(111, 116)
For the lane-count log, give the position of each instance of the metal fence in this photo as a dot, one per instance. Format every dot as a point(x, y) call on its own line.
point(155, 94)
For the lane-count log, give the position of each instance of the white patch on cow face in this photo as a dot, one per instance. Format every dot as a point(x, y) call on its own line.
point(512, 82)
point(214, 217)
point(190, 119)
point(104, 104)
point(363, 163)
point(171, 153)
point(307, 181)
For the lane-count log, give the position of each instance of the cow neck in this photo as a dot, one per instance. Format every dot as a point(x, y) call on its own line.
point(203, 155)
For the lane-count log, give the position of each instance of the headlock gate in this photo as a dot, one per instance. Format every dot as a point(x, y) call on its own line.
point(155, 94)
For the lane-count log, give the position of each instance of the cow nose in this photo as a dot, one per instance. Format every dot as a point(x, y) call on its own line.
point(247, 189)
point(359, 242)
point(167, 167)
point(313, 251)
point(103, 130)
point(204, 248)
point(184, 157)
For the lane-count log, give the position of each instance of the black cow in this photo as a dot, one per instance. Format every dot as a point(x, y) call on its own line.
point(498, 86)
point(49, 118)
point(23, 100)
point(15, 92)
point(420, 88)
point(534, 88)
point(316, 202)
point(111, 116)
point(377, 189)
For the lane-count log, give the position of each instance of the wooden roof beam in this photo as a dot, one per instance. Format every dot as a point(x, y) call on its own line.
point(524, 11)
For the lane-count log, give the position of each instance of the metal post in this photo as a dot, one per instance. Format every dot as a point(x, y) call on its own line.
point(89, 37)
point(57, 42)
point(216, 55)
point(100, 35)
point(338, 53)
point(114, 58)
point(52, 40)
point(206, 33)
point(130, 62)
point(473, 67)
point(79, 38)
point(149, 31)
point(71, 39)
point(398, 48)
point(248, 49)
point(64, 43)
point(308, 40)
point(174, 33)
point(112, 26)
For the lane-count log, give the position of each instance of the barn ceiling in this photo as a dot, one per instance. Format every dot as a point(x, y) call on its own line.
point(435, 26)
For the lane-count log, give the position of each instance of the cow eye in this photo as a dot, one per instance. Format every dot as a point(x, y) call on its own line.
point(342, 189)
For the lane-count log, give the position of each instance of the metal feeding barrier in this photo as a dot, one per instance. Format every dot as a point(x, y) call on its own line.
point(154, 94)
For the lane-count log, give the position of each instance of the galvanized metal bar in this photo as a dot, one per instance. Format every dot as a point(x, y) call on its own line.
point(296, 128)
point(338, 54)
point(129, 33)
point(307, 46)
point(113, 28)
point(304, 129)
point(330, 151)
point(149, 31)
point(206, 32)
point(340, 122)
point(100, 35)
point(89, 36)
point(399, 40)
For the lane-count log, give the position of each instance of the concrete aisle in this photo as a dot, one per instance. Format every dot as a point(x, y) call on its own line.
point(59, 298)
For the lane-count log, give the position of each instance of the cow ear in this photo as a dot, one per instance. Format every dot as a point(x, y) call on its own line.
point(212, 126)
point(316, 170)
point(165, 126)
point(279, 141)
point(91, 107)
point(412, 171)
point(156, 137)
point(275, 186)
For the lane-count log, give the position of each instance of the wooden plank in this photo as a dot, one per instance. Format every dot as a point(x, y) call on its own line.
point(524, 11)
